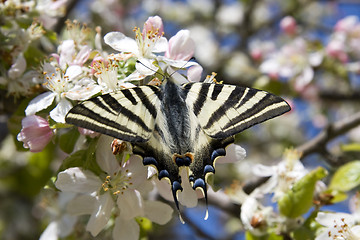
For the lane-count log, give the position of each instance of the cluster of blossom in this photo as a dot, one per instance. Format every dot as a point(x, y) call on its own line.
point(23, 34)
point(298, 57)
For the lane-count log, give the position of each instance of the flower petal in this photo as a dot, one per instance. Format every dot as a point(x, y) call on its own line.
point(104, 156)
point(181, 46)
point(18, 67)
point(80, 205)
point(59, 112)
point(35, 133)
point(126, 229)
point(130, 204)
point(121, 43)
point(51, 232)
point(40, 102)
point(145, 67)
point(101, 215)
point(78, 180)
point(158, 212)
point(161, 45)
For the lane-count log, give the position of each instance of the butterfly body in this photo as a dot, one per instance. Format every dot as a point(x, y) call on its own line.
point(175, 126)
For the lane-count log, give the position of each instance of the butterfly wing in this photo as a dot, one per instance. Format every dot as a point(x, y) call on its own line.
point(225, 110)
point(128, 114)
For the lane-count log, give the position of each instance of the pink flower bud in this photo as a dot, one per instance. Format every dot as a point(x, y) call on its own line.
point(288, 25)
point(153, 25)
point(35, 133)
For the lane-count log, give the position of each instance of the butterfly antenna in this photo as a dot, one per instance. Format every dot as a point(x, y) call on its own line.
point(155, 71)
point(183, 66)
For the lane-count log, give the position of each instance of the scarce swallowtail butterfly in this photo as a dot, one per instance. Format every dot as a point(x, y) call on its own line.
point(175, 126)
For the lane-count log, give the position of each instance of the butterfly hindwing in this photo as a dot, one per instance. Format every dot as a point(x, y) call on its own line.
point(225, 110)
point(128, 114)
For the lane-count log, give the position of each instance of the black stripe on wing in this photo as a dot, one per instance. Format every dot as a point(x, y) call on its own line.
point(128, 114)
point(225, 110)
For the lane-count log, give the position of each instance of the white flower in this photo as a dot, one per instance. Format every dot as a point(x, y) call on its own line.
point(17, 81)
point(62, 86)
point(122, 189)
point(282, 176)
point(62, 222)
point(143, 48)
point(340, 226)
point(255, 217)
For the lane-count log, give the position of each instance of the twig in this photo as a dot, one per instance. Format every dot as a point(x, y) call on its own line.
point(318, 144)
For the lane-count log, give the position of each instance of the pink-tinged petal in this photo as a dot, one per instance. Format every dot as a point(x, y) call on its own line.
point(59, 112)
point(288, 25)
point(18, 67)
point(120, 42)
point(336, 49)
point(130, 204)
point(82, 56)
point(194, 73)
point(158, 212)
point(101, 215)
point(181, 46)
point(346, 24)
point(39, 103)
point(88, 132)
point(126, 229)
point(67, 52)
point(153, 24)
point(78, 181)
point(104, 156)
point(35, 133)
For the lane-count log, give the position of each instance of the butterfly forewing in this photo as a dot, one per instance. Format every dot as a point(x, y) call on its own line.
point(225, 110)
point(127, 114)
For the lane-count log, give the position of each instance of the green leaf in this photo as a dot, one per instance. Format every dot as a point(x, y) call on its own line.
point(346, 177)
point(352, 147)
point(67, 140)
point(85, 159)
point(307, 230)
point(298, 200)
point(272, 236)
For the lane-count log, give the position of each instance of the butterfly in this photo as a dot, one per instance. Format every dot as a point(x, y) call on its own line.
point(174, 126)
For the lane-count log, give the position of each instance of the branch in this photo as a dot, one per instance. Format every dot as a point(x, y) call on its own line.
point(318, 144)
point(336, 96)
